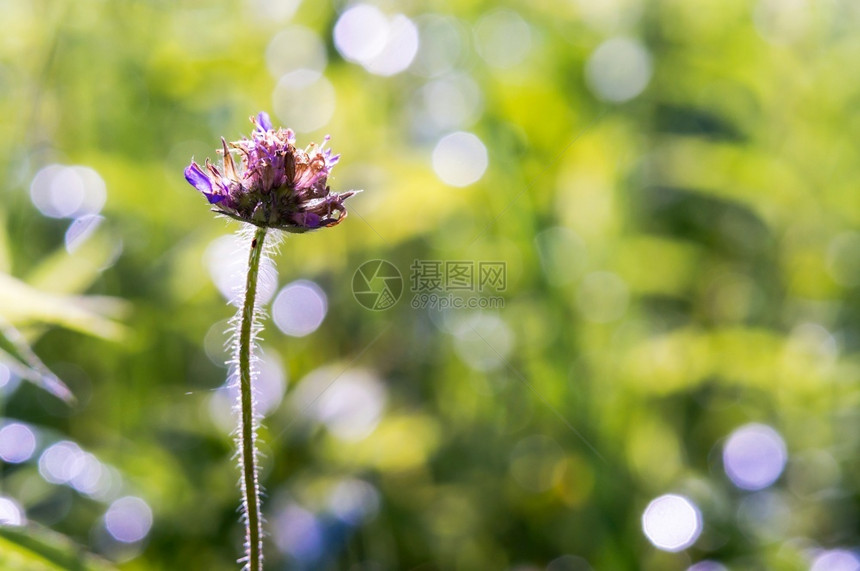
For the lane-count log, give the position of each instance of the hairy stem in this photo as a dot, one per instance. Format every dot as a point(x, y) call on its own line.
point(247, 428)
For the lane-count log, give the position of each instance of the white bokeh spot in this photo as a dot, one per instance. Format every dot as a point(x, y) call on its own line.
point(305, 105)
point(296, 54)
point(618, 70)
point(226, 258)
point(672, 522)
point(60, 191)
point(299, 308)
point(11, 512)
point(460, 159)
point(503, 38)
point(350, 408)
point(382, 45)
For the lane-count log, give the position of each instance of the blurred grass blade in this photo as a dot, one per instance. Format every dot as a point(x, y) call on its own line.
point(71, 271)
point(34, 548)
point(21, 359)
point(21, 303)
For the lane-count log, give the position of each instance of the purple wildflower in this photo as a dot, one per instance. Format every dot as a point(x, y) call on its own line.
point(276, 184)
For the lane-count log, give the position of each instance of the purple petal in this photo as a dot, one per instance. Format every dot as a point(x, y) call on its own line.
point(197, 178)
point(263, 121)
point(307, 219)
point(214, 198)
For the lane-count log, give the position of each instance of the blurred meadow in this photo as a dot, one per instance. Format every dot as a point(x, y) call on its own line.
point(664, 376)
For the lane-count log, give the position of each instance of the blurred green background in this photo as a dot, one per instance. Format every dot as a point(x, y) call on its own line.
point(672, 186)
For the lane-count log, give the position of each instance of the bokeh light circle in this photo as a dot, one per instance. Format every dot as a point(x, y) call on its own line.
point(399, 50)
point(618, 70)
point(503, 38)
point(843, 263)
point(60, 191)
point(672, 522)
point(483, 340)
point(460, 159)
point(707, 566)
point(270, 384)
point(353, 501)
point(226, 258)
point(351, 408)
point(128, 519)
point(835, 560)
point(754, 456)
point(450, 102)
point(299, 308)
point(442, 39)
point(360, 33)
point(17, 443)
point(273, 11)
point(11, 512)
point(384, 46)
point(61, 462)
point(304, 106)
point(296, 53)
point(93, 478)
point(299, 533)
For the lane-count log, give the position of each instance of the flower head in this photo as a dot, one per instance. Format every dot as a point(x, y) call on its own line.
point(275, 185)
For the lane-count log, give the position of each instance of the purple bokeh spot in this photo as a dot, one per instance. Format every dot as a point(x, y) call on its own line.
point(754, 456)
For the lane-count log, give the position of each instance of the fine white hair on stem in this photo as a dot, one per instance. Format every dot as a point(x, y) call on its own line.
point(231, 260)
point(246, 327)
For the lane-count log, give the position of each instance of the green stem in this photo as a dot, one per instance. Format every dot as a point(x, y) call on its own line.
point(247, 433)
